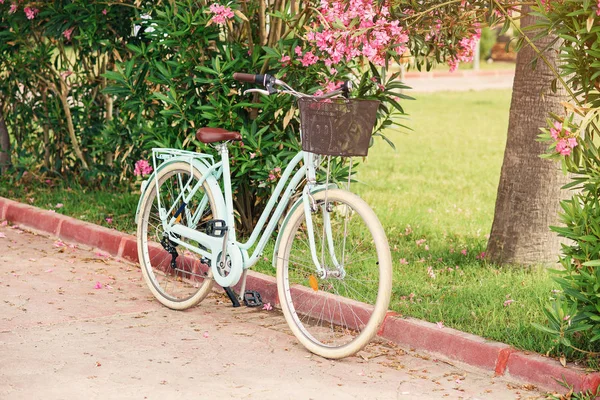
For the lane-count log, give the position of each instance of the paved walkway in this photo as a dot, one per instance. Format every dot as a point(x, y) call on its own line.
point(63, 337)
point(460, 80)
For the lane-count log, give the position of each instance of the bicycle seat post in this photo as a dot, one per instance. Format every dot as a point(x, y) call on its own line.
point(223, 150)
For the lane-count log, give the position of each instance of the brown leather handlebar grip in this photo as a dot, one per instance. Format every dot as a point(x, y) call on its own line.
point(242, 77)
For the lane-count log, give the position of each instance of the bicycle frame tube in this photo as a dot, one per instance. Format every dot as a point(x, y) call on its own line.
point(288, 182)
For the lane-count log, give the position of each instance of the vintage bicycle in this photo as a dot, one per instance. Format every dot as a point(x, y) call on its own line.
point(331, 254)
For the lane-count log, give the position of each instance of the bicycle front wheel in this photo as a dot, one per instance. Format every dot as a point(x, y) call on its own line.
point(174, 274)
point(336, 310)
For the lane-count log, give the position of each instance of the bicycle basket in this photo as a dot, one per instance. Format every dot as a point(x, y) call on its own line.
point(337, 127)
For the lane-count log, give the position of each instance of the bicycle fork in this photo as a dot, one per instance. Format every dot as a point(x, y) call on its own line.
point(310, 207)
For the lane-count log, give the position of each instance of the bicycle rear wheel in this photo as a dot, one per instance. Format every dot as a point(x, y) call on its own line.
point(337, 313)
point(174, 274)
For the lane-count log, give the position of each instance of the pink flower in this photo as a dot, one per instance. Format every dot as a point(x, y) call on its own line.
point(252, 155)
point(98, 285)
point(481, 256)
point(554, 132)
point(13, 8)
point(31, 12)
point(68, 32)
point(285, 60)
point(221, 13)
point(271, 177)
point(562, 147)
point(430, 272)
point(309, 59)
point(403, 261)
point(463, 252)
point(105, 11)
point(267, 307)
point(142, 168)
point(508, 302)
point(108, 220)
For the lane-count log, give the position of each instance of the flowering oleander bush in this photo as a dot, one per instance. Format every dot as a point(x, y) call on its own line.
point(574, 313)
point(89, 87)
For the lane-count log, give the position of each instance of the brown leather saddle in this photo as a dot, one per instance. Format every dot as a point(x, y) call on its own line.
point(212, 135)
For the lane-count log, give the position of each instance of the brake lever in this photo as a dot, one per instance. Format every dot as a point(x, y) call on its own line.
point(261, 91)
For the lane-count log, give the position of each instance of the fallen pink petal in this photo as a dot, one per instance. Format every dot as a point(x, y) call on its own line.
point(205, 334)
point(440, 324)
point(59, 205)
point(2, 235)
point(267, 307)
point(508, 302)
point(4, 223)
point(98, 285)
point(49, 270)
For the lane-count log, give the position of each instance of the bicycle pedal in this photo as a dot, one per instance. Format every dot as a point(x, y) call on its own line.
point(216, 227)
point(252, 298)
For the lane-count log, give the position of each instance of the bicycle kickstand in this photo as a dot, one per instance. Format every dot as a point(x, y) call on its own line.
point(230, 293)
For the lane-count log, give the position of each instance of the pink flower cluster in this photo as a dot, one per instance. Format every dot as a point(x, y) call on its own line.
point(221, 13)
point(466, 49)
point(565, 139)
point(142, 168)
point(68, 32)
point(351, 29)
point(30, 12)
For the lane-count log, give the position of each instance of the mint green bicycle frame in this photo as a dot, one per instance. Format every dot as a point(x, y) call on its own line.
point(239, 252)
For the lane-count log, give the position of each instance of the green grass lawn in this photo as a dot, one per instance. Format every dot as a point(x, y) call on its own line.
point(435, 197)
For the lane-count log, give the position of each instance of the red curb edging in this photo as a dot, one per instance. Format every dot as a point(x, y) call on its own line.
point(546, 372)
point(42, 220)
point(2, 208)
point(502, 361)
point(421, 335)
point(387, 315)
point(449, 342)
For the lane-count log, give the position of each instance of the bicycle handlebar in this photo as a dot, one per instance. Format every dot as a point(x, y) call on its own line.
point(269, 82)
point(250, 78)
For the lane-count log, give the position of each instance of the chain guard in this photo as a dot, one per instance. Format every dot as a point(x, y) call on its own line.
point(234, 256)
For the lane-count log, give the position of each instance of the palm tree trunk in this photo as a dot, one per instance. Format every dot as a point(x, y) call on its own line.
point(529, 191)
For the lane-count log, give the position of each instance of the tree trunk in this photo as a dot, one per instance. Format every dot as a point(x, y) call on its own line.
point(4, 145)
point(529, 191)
